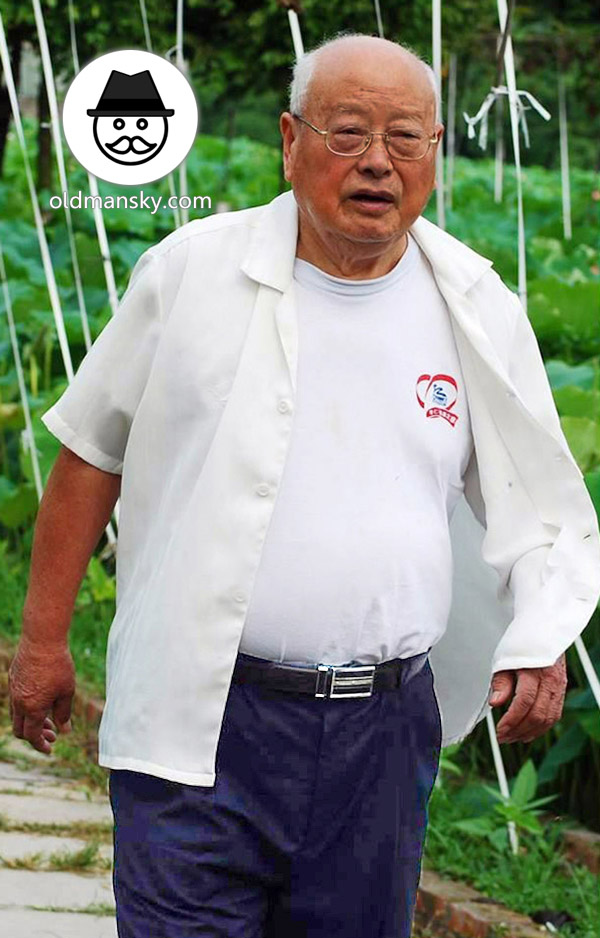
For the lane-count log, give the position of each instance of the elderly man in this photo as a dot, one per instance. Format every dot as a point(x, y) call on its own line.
point(321, 411)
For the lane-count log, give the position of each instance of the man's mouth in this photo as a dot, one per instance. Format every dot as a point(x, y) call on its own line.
point(373, 197)
point(124, 144)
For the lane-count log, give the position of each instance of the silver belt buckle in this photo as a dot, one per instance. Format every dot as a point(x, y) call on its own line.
point(356, 682)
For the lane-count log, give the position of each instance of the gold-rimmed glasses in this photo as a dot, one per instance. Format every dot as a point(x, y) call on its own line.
point(345, 138)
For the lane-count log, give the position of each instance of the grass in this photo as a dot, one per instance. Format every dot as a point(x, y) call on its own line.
point(85, 860)
point(100, 908)
point(83, 831)
point(538, 877)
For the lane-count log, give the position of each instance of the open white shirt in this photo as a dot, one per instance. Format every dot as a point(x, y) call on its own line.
point(190, 392)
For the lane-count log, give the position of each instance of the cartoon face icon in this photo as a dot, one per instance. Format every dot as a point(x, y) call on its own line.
point(130, 140)
point(130, 122)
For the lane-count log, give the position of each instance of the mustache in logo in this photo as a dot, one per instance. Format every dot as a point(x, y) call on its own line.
point(115, 145)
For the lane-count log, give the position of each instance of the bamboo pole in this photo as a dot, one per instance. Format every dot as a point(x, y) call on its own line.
point(27, 434)
point(107, 266)
point(451, 135)
point(296, 34)
point(171, 181)
point(379, 20)
point(513, 104)
point(179, 60)
point(436, 9)
point(564, 157)
point(502, 782)
point(39, 224)
point(60, 160)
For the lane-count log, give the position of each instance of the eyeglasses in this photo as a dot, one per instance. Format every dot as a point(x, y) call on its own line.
point(346, 139)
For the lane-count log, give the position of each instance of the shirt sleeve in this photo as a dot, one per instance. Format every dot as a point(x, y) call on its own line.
point(528, 374)
point(529, 578)
point(94, 414)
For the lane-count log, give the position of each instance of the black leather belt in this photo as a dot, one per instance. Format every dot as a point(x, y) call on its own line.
point(327, 680)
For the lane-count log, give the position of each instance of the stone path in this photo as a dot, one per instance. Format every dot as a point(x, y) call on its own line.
point(55, 851)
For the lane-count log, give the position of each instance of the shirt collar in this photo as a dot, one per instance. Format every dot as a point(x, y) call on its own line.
point(272, 251)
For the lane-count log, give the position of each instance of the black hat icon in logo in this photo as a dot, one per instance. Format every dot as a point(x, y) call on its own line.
point(124, 98)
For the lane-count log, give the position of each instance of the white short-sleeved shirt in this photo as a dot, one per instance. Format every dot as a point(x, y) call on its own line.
point(191, 392)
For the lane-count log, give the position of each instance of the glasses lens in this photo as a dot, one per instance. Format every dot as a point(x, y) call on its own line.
point(346, 139)
point(351, 139)
point(407, 145)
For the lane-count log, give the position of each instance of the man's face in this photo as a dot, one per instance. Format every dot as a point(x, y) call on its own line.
point(380, 90)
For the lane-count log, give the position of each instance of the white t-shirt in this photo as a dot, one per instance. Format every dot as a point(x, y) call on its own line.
point(357, 562)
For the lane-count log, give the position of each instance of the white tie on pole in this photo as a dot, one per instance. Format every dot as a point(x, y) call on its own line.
point(499, 766)
point(451, 136)
point(517, 116)
point(436, 9)
point(27, 434)
point(39, 224)
point(564, 157)
point(185, 215)
point(494, 96)
point(60, 160)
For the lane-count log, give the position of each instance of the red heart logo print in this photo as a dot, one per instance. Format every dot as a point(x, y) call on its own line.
point(437, 394)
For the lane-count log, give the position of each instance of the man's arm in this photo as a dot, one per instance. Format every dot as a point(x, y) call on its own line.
point(75, 508)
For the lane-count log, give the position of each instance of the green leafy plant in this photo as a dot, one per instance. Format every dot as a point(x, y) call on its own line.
point(520, 807)
point(97, 585)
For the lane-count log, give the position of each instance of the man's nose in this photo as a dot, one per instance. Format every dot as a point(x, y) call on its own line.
point(376, 159)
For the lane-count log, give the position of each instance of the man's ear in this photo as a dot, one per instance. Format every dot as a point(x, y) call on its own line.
point(288, 135)
point(438, 128)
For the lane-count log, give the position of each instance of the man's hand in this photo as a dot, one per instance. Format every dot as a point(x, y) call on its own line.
point(537, 704)
point(41, 679)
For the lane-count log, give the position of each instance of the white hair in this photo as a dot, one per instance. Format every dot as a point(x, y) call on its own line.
point(305, 65)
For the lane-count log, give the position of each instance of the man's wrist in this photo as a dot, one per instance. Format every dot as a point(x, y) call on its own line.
point(41, 635)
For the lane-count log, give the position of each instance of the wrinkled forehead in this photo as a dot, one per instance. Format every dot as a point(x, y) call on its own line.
point(364, 79)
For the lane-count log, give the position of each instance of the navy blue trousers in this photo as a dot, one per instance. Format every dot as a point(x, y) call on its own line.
point(314, 828)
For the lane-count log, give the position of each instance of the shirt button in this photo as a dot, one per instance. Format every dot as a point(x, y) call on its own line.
point(283, 407)
point(240, 597)
point(263, 489)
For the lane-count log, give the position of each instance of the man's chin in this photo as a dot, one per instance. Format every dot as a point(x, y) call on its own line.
point(361, 227)
point(370, 233)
